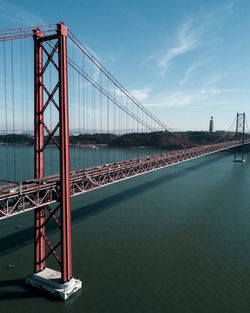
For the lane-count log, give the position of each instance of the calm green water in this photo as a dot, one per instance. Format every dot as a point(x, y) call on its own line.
point(175, 240)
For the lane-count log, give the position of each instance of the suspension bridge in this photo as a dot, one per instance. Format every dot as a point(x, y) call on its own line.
point(73, 94)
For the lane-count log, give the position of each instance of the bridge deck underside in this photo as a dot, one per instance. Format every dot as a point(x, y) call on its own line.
point(36, 193)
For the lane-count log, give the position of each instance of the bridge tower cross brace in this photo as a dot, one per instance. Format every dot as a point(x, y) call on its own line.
point(58, 57)
point(240, 135)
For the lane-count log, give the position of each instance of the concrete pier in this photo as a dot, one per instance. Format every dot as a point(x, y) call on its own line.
point(50, 281)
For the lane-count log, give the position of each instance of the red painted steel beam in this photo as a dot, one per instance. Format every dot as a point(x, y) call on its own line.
point(66, 251)
point(39, 213)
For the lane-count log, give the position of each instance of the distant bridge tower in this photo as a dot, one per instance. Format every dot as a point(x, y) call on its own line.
point(211, 125)
point(240, 135)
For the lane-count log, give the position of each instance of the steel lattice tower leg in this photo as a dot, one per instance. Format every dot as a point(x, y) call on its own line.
point(39, 213)
point(42, 276)
point(240, 135)
point(66, 244)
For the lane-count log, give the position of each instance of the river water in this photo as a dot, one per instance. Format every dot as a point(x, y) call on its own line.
point(174, 240)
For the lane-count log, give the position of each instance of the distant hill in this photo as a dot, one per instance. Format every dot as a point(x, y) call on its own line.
point(169, 141)
point(164, 140)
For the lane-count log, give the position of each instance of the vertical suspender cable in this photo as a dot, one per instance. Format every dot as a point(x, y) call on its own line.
point(120, 126)
point(114, 126)
point(87, 120)
point(24, 168)
point(26, 106)
point(137, 149)
point(13, 109)
point(6, 121)
point(83, 115)
point(93, 103)
point(73, 150)
point(79, 119)
point(93, 113)
point(108, 129)
point(70, 104)
point(127, 126)
point(100, 117)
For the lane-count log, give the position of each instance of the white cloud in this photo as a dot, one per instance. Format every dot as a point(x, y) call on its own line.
point(19, 16)
point(207, 94)
point(187, 40)
point(229, 7)
point(141, 94)
point(188, 37)
point(228, 90)
point(205, 89)
point(189, 72)
point(181, 99)
point(116, 91)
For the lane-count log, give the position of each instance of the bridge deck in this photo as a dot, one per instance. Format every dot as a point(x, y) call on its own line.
point(32, 194)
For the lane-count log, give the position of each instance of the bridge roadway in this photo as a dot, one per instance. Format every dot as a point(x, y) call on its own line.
point(31, 194)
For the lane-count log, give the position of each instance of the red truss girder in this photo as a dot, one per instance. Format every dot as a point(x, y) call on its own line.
point(39, 194)
point(41, 199)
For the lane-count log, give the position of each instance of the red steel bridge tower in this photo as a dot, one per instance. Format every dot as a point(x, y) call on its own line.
point(240, 135)
point(60, 283)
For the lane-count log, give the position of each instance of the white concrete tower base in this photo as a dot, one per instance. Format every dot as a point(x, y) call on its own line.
point(50, 281)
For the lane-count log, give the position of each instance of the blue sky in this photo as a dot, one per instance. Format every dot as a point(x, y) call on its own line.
point(184, 60)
